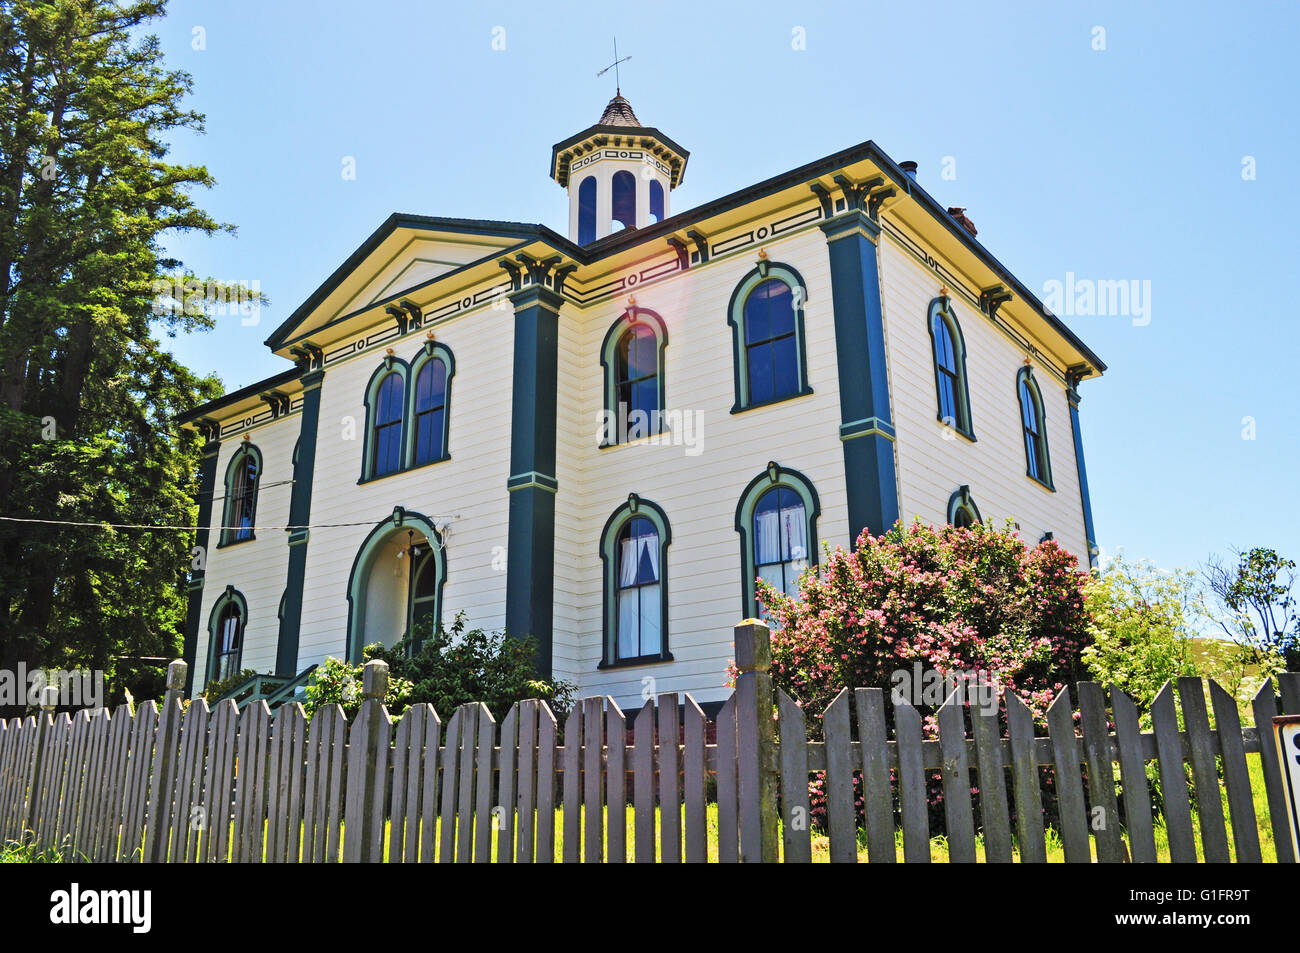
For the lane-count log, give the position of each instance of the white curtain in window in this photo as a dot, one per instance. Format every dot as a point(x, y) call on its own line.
point(767, 537)
point(794, 529)
point(627, 563)
point(628, 617)
point(651, 610)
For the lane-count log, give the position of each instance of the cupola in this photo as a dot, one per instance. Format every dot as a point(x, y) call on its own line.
point(619, 174)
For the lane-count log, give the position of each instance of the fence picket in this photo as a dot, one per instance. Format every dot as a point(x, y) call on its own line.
point(397, 804)
point(995, 816)
point(796, 815)
point(428, 817)
point(956, 781)
point(1209, 806)
point(450, 768)
point(1133, 778)
point(1236, 776)
point(616, 781)
point(728, 819)
point(94, 794)
point(695, 829)
point(1264, 708)
point(546, 730)
point(131, 846)
point(526, 781)
point(1101, 774)
point(670, 818)
point(841, 816)
point(1288, 684)
point(1025, 782)
point(877, 790)
point(573, 785)
point(485, 818)
point(1173, 777)
point(223, 727)
point(504, 812)
point(188, 790)
point(643, 779)
point(1069, 780)
point(913, 804)
point(593, 723)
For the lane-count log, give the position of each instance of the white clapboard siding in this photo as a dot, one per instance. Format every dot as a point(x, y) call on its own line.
point(258, 567)
point(931, 468)
point(468, 491)
point(697, 493)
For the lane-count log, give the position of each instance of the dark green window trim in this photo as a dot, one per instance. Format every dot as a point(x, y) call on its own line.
point(941, 310)
point(227, 538)
point(736, 318)
point(632, 317)
point(231, 595)
point(633, 508)
point(1025, 376)
point(432, 350)
point(771, 478)
point(400, 521)
point(389, 365)
point(962, 502)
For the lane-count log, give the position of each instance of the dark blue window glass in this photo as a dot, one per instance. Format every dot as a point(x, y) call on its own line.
point(656, 201)
point(771, 348)
point(624, 199)
point(945, 361)
point(1033, 431)
point(388, 425)
point(430, 411)
point(587, 210)
point(636, 376)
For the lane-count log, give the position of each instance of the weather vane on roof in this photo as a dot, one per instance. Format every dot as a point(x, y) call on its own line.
point(614, 66)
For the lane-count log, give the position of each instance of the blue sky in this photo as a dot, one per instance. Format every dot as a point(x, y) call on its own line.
point(1117, 163)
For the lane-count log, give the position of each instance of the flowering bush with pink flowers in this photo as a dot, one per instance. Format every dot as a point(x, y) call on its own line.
point(955, 600)
point(973, 600)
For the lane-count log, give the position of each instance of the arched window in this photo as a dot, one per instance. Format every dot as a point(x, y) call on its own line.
point(587, 211)
point(950, 368)
point(1034, 424)
point(624, 199)
point(777, 522)
point(632, 357)
point(226, 634)
point(634, 551)
point(386, 439)
point(242, 479)
point(423, 620)
point(388, 425)
point(431, 404)
point(766, 315)
point(962, 511)
point(656, 201)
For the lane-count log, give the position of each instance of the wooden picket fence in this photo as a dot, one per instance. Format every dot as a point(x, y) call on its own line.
point(210, 785)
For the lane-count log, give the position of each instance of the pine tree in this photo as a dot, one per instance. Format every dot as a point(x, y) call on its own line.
point(87, 394)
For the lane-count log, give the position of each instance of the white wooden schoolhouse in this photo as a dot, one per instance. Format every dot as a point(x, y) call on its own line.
point(600, 440)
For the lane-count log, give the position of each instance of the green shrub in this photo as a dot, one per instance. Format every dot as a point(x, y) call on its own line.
point(445, 668)
point(215, 689)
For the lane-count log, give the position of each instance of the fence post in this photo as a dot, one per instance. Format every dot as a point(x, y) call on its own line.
point(165, 753)
point(759, 782)
point(363, 824)
point(44, 723)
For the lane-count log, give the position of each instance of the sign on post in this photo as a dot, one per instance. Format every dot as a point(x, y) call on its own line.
point(1286, 730)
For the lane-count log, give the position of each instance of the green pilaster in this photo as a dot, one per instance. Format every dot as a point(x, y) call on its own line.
point(286, 654)
point(1072, 395)
point(207, 485)
point(866, 425)
point(530, 566)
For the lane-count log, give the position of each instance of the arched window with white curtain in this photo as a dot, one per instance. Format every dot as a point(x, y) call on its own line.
point(634, 550)
point(777, 522)
point(781, 539)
